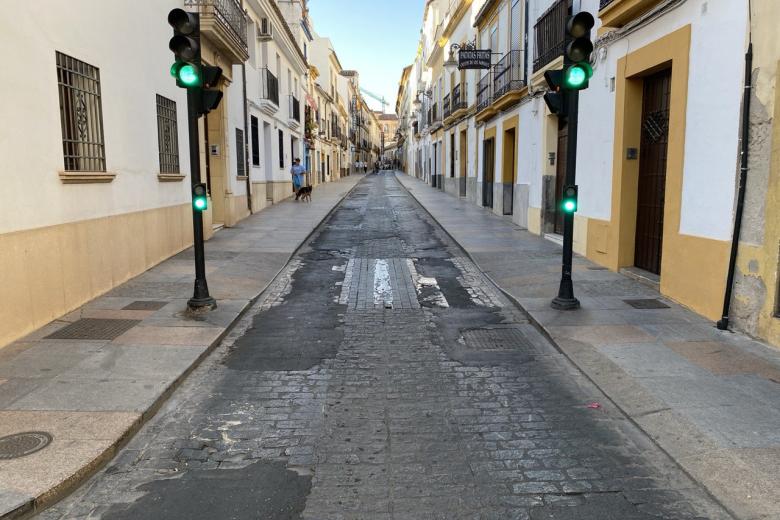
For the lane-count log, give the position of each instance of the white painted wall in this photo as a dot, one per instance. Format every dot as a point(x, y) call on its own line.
point(132, 71)
point(711, 134)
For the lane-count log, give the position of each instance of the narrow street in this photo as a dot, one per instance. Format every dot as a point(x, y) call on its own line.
point(382, 376)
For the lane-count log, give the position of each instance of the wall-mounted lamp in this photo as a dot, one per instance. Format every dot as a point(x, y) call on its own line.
point(452, 64)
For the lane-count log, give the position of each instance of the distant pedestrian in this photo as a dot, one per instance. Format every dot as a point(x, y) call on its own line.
point(298, 174)
point(365, 166)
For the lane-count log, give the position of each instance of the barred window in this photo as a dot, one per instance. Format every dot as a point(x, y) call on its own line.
point(81, 115)
point(240, 153)
point(255, 142)
point(167, 135)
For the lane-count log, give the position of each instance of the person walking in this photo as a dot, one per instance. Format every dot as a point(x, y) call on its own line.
point(298, 173)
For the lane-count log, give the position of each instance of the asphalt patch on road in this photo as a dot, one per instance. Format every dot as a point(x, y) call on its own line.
point(263, 490)
point(304, 329)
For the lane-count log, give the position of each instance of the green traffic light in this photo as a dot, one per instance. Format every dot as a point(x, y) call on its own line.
point(200, 203)
point(188, 75)
point(569, 206)
point(577, 76)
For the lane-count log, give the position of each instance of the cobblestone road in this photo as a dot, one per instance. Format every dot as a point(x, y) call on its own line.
point(383, 377)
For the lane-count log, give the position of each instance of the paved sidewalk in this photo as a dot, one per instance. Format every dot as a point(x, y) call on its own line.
point(90, 395)
point(708, 398)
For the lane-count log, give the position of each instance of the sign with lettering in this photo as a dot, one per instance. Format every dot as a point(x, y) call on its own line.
point(474, 59)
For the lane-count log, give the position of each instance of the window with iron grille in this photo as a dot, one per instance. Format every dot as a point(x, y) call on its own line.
point(167, 135)
point(240, 153)
point(81, 115)
point(255, 142)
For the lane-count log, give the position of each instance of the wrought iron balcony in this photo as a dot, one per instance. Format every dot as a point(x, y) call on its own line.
point(484, 94)
point(604, 3)
point(269, 86)
point(446, 108)
point(459, 98)
point(224, 23)
point(508, 74)
point(550, 33)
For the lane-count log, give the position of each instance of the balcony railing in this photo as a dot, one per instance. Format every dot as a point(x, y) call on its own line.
point(484, 94)
point(508, 74)
point(604, 3)
point(459, 98)
point(435, 113)
point(295, 109)
point(269, 86)
point(550, 33)
point(446, 108)
point(227, 15)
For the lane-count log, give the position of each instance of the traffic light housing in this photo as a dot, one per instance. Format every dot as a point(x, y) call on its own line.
point(556, 98)
point(569, 199)
point(185, 45)
point(577, 70)
point(210, 95)
point(200, 198)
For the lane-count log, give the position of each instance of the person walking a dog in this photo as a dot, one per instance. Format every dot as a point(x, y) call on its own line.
point(298, 175)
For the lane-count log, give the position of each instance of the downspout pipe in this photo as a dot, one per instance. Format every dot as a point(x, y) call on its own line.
point(246, 141)
point(723, 323)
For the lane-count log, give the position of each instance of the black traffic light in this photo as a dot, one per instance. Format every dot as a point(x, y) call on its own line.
point(210, 95)
point(200, 199)
point(569, 202)
point(577, 70)
point(555, 99)
point(185, 46)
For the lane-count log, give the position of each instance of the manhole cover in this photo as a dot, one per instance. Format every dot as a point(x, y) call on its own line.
point(94, 328)
point(144, 306)
point(647, 303)
point(494, 339)
point(21, 444)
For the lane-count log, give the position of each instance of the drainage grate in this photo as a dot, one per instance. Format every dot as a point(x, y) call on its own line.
point(21, 444)
point(493, 339)
point(144, 306)
point(647, 303)
point(94, 328)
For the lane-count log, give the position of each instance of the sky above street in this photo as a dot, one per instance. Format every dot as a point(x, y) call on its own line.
point(378, 38)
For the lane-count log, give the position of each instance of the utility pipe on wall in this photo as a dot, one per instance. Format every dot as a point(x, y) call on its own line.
point(723, 323)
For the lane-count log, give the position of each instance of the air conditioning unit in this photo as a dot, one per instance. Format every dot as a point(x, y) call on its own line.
point(266, 29)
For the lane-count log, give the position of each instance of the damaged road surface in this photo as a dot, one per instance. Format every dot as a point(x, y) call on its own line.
point(382, 376)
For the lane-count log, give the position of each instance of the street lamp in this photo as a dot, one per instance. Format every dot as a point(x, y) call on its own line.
point(452, 64)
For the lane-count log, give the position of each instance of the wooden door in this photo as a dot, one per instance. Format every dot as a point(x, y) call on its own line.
point(488, 169)
point(462, 154)
point(560, 173)
point(652, 171)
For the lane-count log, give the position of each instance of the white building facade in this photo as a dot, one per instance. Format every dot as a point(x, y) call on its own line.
point(656, 167)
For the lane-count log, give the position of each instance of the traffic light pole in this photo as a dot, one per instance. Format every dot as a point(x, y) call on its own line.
point(201, 300)
point(565, 299)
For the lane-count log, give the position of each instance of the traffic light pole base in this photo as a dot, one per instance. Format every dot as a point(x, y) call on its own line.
point(565, 301)
point(201, 300)
point(565, 304)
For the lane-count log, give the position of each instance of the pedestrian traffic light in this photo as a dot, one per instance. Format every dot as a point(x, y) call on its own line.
point(200, 200)
point(569, 202)
point(577, 69)
point(556, 98)
point(210, 95)
point(185, 46)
